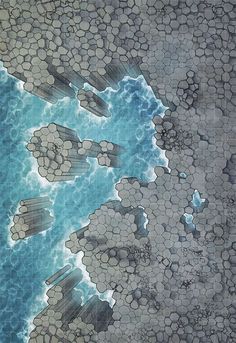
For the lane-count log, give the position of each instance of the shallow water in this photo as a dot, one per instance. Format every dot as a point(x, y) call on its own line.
point(26, 264)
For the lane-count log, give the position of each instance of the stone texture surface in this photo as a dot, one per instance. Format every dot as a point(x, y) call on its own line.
point(61, 156)
point(65, 319)
point(170, 283)
point(93, 103)
point(33, 218)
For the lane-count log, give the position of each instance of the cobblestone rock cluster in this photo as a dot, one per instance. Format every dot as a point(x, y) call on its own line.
point(58, 274)
point(188, 90)
point(33, 217)
point(52, 44)
point(61, 156)
point(65, 319)
point(230, 169)
point(93, 103)
point(169, 284)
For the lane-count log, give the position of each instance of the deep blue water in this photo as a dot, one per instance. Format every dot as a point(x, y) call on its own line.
point(25, 265)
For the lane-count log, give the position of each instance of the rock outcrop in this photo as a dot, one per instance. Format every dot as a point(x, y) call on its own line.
point(33, 217)
point(172, 285)
point(66, 318)
point(93, 103)
point(61, 156)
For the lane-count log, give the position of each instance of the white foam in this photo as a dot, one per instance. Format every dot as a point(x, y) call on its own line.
point(83, 222)
point(107, 295)
point(94, 166)
point(150, 174)
point(24, 334)
point(115, 195)
point(146, 217)
point(87, 86)
point(49, 105)
point(66, 257)
point(33, 179)
point(29, 133)
point(39, 304)
point(20, 86)
point(10, 241)
point(64, 101)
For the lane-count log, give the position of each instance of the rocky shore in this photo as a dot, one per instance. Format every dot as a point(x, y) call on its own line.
point(170, 284)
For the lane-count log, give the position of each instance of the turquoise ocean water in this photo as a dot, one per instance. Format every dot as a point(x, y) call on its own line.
point(25, 265)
